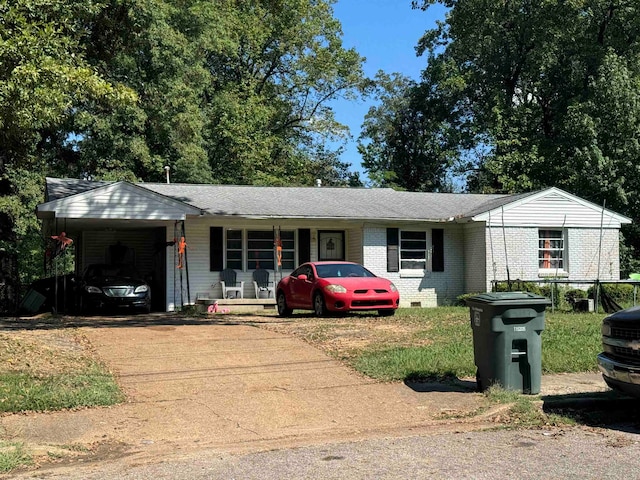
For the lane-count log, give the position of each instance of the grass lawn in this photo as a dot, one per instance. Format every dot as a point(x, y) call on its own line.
point(570, 343)
point(52, 370)
point(42, 370)
point(437, 342)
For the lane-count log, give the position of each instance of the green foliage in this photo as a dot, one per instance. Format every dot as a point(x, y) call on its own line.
point(621, 293)
point(570, 343)
point(540, 94)
point(461, 299)
point(24, 392)
point(228, 92)
point(572, 295)
point(221, 92)
point(406, 141)
point(44, 80)
point(518, 286)
point(13, 455)
point(269, 88)
point(629, 246)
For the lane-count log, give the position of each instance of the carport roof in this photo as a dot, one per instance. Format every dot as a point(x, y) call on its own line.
point(307, 202)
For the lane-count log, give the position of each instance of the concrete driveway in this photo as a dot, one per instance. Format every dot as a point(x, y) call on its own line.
point(236, 388)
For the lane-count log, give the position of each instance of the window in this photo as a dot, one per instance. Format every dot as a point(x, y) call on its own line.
point(234, 249)
point(413, 250)
point(261, 249)
point(288, 249)
point(551, 250)
point(255, 247)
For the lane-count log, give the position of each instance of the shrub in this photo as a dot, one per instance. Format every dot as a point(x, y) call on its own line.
point(619, 292)
point(460, 299)
point(517, 286)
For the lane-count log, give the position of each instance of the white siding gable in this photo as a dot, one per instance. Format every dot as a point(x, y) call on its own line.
point(120, 200)
point(552, 208)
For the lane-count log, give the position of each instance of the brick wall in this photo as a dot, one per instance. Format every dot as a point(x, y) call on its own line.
point(428, 289)
point(582, 247)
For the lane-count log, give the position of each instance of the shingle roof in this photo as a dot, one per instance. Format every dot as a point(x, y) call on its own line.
point(308, 202)
point(57, 188)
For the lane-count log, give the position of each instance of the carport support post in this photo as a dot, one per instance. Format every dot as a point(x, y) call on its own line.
point(186, 264)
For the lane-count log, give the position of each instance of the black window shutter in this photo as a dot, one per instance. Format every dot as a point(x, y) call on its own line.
point(216, 249)
point(304, 245)
point(393, 257)
point(437, 241)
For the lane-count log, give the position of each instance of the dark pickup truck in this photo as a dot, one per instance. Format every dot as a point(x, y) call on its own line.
point(620, 360)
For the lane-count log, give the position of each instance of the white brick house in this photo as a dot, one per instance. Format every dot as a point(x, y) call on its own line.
point(433, 246)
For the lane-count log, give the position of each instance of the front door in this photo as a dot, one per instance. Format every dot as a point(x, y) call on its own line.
point(331, 245)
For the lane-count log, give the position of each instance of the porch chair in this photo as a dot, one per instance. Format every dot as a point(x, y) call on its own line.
point(230, 285)
point(261, 283)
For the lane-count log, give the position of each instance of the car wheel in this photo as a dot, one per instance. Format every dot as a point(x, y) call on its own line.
point(318, 305)
point(283, 309)
point(387, 312)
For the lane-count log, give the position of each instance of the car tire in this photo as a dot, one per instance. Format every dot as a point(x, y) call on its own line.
point(319, 307)
point(283, 308)
point(387, 312)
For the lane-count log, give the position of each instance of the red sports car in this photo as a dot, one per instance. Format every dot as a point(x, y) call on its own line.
point(335, 287)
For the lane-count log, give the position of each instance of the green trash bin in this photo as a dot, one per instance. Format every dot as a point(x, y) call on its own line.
point(507, 347)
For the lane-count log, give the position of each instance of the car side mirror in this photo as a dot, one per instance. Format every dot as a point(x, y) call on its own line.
point(302, 277)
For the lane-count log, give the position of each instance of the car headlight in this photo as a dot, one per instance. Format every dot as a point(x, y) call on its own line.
point(91, 289)
point(335, 288)
point(393, 287)
point(606, 329)
point(141, 289)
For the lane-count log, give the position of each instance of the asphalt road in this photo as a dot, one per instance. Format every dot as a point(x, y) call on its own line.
point(574, 453)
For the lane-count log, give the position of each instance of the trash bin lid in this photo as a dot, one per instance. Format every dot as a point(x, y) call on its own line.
point(510, 298)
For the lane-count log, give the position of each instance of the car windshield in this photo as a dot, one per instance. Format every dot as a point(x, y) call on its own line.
point(126, 271)
point(336, 270)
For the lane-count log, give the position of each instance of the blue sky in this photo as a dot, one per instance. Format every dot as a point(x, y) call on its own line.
point(386, 33)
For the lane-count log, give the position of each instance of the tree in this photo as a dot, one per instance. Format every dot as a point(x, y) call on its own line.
point(223, 91)
point(229, 91)
point(43, 78)
point(270, 85)
point(529, 70)
point(409, 141)
point(550, 90)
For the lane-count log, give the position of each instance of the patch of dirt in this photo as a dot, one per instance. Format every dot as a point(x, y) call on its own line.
point(44, 352)
point(345, 337)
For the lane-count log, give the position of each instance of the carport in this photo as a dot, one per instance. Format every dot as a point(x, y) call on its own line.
point(116, 222)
